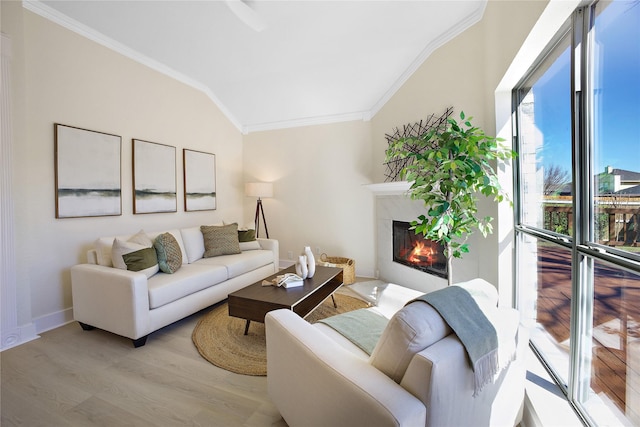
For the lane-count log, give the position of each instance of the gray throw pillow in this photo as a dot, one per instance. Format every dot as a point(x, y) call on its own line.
point(169, 253)
point(220, 240)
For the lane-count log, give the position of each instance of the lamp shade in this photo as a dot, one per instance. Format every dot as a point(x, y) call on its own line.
point(259, 189)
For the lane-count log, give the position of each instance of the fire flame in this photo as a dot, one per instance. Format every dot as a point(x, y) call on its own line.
point(421, 253)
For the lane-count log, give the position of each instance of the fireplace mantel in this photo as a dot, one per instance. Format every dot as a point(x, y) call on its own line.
point(398, 188)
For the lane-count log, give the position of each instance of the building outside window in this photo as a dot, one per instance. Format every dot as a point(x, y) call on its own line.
point(577, 176)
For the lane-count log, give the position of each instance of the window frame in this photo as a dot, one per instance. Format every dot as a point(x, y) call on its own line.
point(586, 251)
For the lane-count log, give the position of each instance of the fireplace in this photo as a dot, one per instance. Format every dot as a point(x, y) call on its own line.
point(415, 251)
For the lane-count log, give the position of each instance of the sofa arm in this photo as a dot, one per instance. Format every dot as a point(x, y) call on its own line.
point(111, 299)
point(314, 381)
point(273, 246)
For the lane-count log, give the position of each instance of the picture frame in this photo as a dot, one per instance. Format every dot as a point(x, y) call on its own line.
point(154, 177)
point(199, 180)
point(87, 167)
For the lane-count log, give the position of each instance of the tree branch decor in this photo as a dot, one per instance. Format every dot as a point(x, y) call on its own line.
point(396, 165)
point(447, 167)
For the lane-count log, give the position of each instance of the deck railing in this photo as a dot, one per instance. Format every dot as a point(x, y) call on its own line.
point(615, 225)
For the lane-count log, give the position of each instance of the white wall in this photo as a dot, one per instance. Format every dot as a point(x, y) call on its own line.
point(70, 80)
point(319, 199)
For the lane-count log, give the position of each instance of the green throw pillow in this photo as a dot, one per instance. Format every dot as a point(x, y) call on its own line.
point(169, 253)
point(142, 260)
point(246, 235)
point(220, 240)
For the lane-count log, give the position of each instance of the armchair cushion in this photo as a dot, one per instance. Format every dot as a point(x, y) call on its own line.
point(412, 329)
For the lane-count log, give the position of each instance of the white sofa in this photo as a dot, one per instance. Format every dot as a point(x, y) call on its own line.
point(130, 304)
point(316, 377)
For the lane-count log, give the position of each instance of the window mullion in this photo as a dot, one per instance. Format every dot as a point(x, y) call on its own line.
point(582, 267)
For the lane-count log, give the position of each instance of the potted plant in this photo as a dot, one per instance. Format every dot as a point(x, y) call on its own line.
point(448, 168)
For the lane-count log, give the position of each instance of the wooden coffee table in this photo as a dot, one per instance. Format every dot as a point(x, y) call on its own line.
point(255, 301)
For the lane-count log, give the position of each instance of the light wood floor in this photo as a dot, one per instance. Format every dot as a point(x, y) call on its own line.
point(71, 377)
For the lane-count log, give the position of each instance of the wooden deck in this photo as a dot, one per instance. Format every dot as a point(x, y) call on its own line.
point(616, 313)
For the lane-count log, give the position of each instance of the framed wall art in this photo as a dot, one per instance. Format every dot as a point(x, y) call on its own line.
point(199, 180)
point(87, 172)
point(154, 177)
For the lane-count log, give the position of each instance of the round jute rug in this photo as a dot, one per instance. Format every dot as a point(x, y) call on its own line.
point(220, 338)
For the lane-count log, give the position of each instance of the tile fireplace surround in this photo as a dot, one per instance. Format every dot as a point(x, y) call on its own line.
point(392, 203)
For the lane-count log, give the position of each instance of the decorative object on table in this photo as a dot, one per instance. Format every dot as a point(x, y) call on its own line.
point(154, 177)
point(311, 261)
point(301, 267)
point(259, 190)
point(199, 180)
point(347, 265)
point(220, 340)
point(287, 280)
point(87, 172)
point(447, 167)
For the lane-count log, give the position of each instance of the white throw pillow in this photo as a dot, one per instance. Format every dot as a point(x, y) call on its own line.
point(141, 238)
point(138, 241)
point(412, 329)
point(121, 247)
point(103, 251)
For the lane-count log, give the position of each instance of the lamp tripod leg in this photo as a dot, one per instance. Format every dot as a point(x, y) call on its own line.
point(255, 219)
point(266, 230)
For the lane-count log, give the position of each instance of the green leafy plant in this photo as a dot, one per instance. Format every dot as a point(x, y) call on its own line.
point(451, 165)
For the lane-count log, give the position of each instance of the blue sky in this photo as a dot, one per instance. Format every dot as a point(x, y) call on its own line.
point(617, 133)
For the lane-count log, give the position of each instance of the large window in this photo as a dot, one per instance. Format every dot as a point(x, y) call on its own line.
point(578, 209)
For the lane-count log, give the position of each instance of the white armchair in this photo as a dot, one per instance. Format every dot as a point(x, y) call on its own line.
point(317, 378)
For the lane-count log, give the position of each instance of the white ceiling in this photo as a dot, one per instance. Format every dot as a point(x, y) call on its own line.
point(315, 62)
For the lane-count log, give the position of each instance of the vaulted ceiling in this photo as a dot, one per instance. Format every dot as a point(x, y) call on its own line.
point(274, 64)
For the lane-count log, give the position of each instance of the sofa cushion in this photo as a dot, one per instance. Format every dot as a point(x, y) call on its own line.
point(169, 253)
point(412, 329)
point(103, 247)
point(220, 240)
point(241, 263)
point(166, 288)
point(193, 243)
point(250, 246)
point(143, 260)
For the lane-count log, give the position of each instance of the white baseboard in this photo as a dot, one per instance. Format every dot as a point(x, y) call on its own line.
point(53, 320)
point(18, 336)
point(284, 263)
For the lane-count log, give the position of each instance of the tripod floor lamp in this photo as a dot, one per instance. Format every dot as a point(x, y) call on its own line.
point(259, 190)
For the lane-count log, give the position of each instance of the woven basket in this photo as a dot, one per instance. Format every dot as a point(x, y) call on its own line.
point(347, 264)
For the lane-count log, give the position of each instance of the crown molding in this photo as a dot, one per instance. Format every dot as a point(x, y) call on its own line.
point(307, 121)
point(53, 15)
point(41, 9)
point(445, 37)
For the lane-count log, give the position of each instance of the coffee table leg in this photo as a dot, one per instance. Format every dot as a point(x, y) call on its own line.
point(246, 327)
point(334, 301)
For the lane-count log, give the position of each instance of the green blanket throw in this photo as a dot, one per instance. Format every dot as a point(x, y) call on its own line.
point(477, 334)
point(362, 327)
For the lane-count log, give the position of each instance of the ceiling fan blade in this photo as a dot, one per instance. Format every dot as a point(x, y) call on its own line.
point(247, 15)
